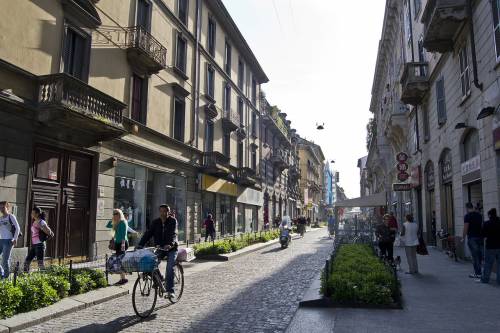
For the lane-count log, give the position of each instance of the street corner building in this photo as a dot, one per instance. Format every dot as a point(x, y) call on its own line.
point(132, 104)
point(434, 140)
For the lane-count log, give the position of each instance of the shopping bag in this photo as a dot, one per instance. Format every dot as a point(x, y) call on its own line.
point(114, 264)
point(421, 247)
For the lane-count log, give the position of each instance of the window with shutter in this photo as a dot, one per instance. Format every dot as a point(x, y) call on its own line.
point(427, 132)
point(210, 80)
point(227, 59)
point(182, 6)
point(440, 98)
point(137, 107)
point(211, 37)
point(240, 154)
point(254, 92)
point(226, 142)
point(254, 124)
point(143, 16)
point(241, 73)
point(76, 54)
point(179, 119)
point(240, 110)
point(180, 55)
point(254, 159)
point(495, 4)
point(209, 144)
point(464, 72)
point(227, 97)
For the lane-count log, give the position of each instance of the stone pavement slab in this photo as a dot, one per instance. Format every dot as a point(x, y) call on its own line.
point(101, 295)
point(441, 298)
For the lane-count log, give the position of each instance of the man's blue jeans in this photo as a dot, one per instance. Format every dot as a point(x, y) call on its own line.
point(489, 259)
point(169, 272)
point(5, 249)
point(476, 250)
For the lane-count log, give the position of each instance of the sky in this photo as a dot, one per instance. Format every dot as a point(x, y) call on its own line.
point(320, 58)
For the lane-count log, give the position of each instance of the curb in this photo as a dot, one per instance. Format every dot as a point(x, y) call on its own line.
point(65, 306)
point(233, 255)
point(248, 249)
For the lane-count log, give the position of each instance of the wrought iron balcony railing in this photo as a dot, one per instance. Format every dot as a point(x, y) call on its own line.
point(147, 50)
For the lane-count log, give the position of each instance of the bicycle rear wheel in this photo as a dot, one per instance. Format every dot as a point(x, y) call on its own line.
point(144, 295)
point(178, 282)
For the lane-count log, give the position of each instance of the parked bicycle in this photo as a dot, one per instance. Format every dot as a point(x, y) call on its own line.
point(151, 284)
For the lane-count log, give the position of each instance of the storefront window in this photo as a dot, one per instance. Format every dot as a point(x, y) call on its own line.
point(165, 188)
point(208, 207)
point(130, 193)
point(240, 218)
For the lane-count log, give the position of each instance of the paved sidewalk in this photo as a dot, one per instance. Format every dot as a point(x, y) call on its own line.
point(442, 298)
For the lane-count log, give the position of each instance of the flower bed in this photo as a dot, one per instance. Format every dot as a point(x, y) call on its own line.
point(357, 277)
point(229, 245)
point(38, 290)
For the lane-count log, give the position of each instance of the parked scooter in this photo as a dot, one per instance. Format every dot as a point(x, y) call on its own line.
point(285, 232)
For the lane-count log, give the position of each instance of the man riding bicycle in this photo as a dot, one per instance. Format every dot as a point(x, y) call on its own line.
point(164, 233)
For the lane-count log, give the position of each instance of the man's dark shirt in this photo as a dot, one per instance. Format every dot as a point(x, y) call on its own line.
point(491, 231)
point(384, 233)
point(475, 221)
point(162, 233)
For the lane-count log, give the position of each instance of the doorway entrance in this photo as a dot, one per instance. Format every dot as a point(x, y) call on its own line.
point(61, 188)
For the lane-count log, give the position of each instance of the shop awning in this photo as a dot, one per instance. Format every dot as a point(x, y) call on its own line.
point(374, 200)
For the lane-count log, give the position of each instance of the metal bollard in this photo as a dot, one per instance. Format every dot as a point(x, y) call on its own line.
point(16, 273)
point(71, 273)
point(106, 268)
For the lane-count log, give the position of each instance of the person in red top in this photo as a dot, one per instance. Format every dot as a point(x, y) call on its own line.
point(393, 223)
point(209, 225)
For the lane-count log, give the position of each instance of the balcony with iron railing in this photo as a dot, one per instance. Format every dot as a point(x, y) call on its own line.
point(414, 82)
point(442, 20)
point(279, 158)
point(145, 51)
point(67, 101)
point(215, 163)
point(246, 176)
point(231, 120)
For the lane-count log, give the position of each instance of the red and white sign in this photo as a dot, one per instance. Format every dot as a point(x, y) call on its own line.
point(402, 167)
point(403, 176)
point(402, 157)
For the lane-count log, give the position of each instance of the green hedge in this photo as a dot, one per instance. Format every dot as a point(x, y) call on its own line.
point(38, 290)
point(231, 245)
point(358, 276)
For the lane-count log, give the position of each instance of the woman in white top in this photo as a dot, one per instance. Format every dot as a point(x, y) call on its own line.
point(9, 232)
point(409, 235)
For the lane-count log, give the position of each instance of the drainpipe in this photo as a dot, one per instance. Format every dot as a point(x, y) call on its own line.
point(473, 46)
point(196, 122)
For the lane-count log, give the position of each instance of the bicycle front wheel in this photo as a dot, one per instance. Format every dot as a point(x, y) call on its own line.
point(178, 282)
point(144, 295)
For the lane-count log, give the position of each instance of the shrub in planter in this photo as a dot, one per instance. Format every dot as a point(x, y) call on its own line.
point(358, 276)
point(95, 275)
point(10, 298)
point(81, 282)
point(58, 270)
point(59, 283)
point(37, 292)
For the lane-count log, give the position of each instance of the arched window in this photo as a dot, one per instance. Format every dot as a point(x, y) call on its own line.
point(470, 145)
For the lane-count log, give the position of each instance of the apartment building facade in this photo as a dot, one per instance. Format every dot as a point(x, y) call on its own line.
point(312, 162)
point(435, 98)
point(128, 105)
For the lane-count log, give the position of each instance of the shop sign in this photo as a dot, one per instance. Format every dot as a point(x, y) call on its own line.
point(415, 176)
point(100, 208)
point(446, 168)
point(471, 165)
point(402, 157)
point(400, 187)
point(403, 176)
point(429, 176)
point(217, 185)
point(496, 128)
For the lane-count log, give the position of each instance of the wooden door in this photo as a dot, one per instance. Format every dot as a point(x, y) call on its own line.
point(61, 188)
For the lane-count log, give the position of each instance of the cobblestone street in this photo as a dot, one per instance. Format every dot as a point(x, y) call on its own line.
point(258, 292)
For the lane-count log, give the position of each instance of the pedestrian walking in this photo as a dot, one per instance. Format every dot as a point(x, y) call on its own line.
point(409, 236)
point(385, 238)
point(473, 222)
point(9, 232)
point(119, 241)
point(40, 233)
point(491, 231)
point(209, 226)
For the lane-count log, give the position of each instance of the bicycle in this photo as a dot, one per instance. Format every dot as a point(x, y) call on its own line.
point(449, 245)
point(150, 285)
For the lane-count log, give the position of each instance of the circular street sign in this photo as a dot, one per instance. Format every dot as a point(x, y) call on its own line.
point(403, 176)
point(402, 157)
point(401, 167)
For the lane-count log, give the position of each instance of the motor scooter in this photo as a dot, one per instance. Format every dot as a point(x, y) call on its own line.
point(285, 237)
